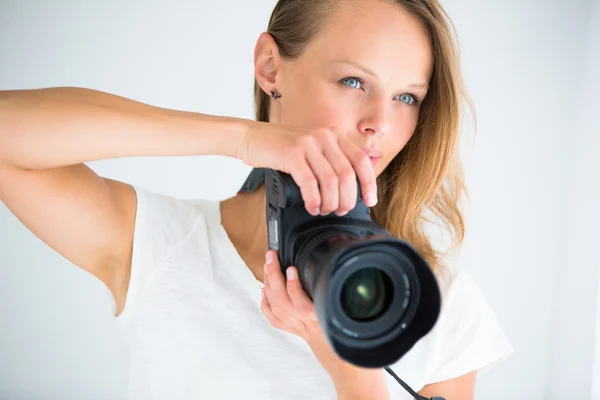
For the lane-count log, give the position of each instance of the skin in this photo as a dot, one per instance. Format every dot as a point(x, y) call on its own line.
point(378, 110)
point(89, 220)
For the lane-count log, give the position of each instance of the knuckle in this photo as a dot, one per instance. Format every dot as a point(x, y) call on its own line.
point(330, 179)
point(292, 290)
point(276, 324)
point(276, 309)
point(306, 142)
point(367, 187)
point(362, 159)
point(312, 205)
point(309, 181)
point(331, 205)
point(346, 204)
point(347, 174)
point(370, 180)
point(308, 313)
point(297, 151)
point(310, 200)
point(322, 133)
point(366, 172)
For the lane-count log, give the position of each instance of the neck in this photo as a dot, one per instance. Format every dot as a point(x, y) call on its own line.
point(243, 217)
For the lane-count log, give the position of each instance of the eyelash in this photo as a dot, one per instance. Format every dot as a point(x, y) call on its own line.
point(416, 100)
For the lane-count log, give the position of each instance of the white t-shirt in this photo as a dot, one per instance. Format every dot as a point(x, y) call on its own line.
point(194, 330)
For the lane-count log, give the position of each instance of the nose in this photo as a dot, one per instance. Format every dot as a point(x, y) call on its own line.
point(376, 119)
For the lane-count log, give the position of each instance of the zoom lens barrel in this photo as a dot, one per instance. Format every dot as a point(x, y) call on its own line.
point(368, 294)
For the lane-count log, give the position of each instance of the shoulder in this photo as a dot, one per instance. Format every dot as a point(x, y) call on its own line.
point(176, 206)
point(163, 224)
point(467, 336)
point(174, 217)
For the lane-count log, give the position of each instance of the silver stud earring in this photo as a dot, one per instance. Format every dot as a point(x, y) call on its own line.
point(275, 94)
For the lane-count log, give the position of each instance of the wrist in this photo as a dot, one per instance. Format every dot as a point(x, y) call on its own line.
point(225, 135)
point(351, 382)
point(356, 383)
point(205, 134)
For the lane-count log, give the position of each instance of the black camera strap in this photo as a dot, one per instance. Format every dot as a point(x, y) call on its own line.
point(253, 181)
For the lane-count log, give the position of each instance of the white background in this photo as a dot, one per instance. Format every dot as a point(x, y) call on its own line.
point(533, 171)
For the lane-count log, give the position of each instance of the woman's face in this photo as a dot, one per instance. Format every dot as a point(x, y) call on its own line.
point(364, 75)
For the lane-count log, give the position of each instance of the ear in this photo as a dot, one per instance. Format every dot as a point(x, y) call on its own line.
point(266, 62)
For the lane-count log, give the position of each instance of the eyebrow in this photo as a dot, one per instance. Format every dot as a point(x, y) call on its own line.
point(369, 72)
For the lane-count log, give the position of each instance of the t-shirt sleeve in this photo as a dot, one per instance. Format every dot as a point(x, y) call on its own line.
point(469, 336)
point(161, 223)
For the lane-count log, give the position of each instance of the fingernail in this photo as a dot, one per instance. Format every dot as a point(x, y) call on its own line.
point(269, 257)
point(371, 199)
point(316, 211)
point(291, 273)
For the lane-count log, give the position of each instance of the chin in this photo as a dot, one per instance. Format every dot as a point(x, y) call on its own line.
point(379, 168)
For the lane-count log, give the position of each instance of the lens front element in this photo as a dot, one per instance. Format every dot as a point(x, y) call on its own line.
point(366, 294)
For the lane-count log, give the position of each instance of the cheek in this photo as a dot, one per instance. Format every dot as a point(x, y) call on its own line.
point(327, 113)
point(316, 110)
point(403, 130)
point(407, 129)
point(314, 102)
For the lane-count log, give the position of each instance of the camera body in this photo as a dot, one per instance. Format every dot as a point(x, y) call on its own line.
point(375, 296)
point(289, 225)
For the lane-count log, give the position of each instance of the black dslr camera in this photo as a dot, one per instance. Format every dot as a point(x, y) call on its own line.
point(375, 296)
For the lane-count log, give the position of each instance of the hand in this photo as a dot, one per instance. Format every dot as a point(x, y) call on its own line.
point(285, 304)
point(287, 307)
point(323, 163)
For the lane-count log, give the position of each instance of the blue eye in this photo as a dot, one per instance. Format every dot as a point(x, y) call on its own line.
point(353, 82)
point(407, 97)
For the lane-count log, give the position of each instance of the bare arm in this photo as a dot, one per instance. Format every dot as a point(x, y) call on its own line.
point(45, 137)
point(57, 127)
point(462, 387)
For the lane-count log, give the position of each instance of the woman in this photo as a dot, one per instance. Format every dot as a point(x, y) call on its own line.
point(344, 89)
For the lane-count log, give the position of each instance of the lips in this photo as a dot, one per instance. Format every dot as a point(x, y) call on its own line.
point(373, 154)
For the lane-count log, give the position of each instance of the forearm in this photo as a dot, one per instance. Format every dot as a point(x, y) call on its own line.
point(354, 383)
point(351, 382)
point(57, 127)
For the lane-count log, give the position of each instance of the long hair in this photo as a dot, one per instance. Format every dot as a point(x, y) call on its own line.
point(424, 183)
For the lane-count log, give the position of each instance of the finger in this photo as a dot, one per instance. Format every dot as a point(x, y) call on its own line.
point(302, 303)
point(309, 186)
point(265, 307)
point(282, 317)
point(328, 180)
point(347, 177)
point(364, 170)
point(276, 291)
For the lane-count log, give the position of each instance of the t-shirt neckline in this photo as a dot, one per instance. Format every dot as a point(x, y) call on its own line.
point(239, 268)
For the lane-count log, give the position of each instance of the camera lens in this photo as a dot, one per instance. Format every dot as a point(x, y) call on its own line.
point(374, 294)
point(366, 294)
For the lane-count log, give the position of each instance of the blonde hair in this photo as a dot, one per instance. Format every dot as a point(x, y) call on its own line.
point(424, 183)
